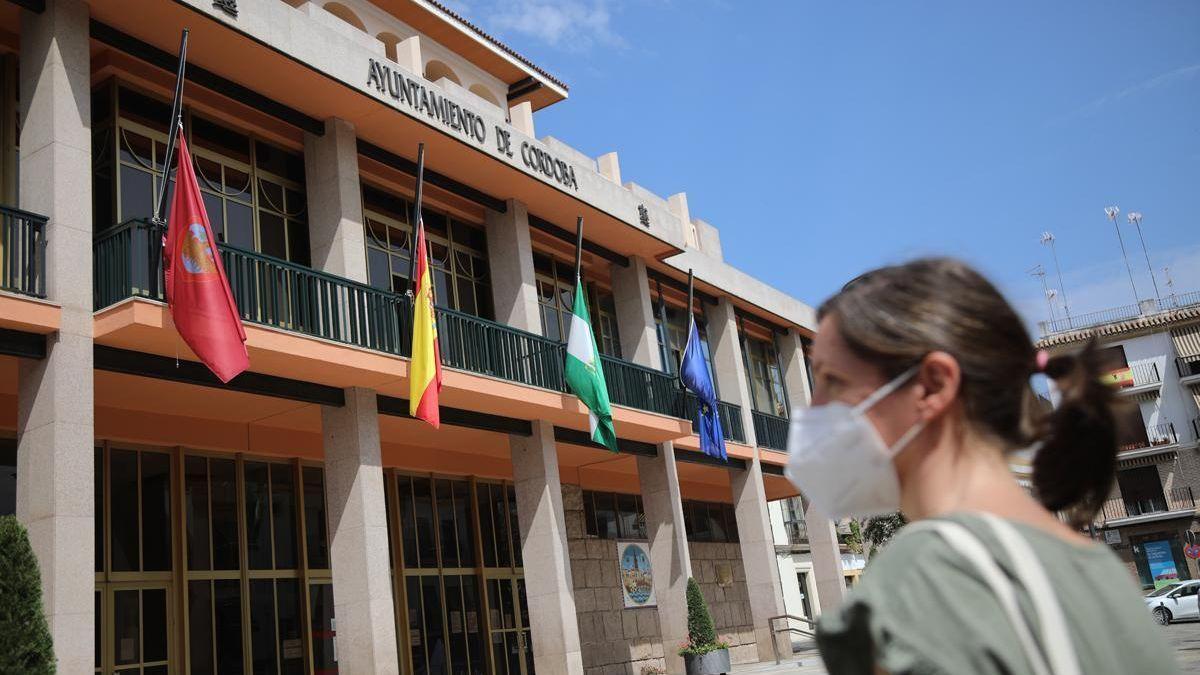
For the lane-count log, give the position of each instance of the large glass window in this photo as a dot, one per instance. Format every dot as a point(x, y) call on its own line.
point(457, 251)
point(709, 521)
point(766, 378)
point(610, 515)
point(253, 191)
point(672, 338)
point(556, 296)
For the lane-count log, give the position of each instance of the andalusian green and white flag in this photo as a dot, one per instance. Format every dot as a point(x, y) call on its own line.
point(585, 375)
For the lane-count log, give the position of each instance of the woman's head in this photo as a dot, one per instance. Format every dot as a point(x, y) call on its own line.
point(975, 360)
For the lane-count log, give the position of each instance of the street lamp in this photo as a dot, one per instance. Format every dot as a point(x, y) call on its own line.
point(1048, 240)
point(1135, 218)
point(1112, 212)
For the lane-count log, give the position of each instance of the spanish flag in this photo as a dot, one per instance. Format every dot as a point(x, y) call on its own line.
point(425, 368)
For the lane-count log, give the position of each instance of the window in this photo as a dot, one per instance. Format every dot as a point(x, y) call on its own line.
point(673, 339)
point(556, 296)
point(253, 191)
point(709, 521)
point(457, 251)
point(793, 521)
point(766, 378)
point(609, 515)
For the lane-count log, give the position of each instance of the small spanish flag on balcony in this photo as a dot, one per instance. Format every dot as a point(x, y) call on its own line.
point(425, 367)
point(1119, 378)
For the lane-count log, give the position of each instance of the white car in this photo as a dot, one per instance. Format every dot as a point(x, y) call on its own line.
point(1174, 601)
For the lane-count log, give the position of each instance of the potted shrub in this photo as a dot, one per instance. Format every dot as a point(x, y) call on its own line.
point(25, 645)
point(703, 654)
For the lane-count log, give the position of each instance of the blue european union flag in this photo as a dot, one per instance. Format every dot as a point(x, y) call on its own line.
point(693, 371)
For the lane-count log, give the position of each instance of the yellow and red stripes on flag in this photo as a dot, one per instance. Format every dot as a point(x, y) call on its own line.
point(425, 368)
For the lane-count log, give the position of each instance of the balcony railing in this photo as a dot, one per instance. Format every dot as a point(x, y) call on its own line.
point(731, 417)
point(797, 532)
point(770, 430)
point(1196, 429)
point(274, 292)
point(1156, 435)
point(22, 252)
point(1187, 365)
point(1145, 374)
point(1177, 500)
point(1122, 313)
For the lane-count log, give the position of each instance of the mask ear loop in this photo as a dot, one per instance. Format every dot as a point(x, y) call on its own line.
point(887, 389)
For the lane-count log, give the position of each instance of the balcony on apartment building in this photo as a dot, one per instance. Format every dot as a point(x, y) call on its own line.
point(1177, 503)
point(1139, 380)
point(1158, 438)
point(289, 296)
point(1122, 313)
point(1189, 370)
point(22, 252)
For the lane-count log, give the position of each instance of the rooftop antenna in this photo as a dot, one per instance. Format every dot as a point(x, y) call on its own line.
point(1048, 240)
point(1135, 218)
point(1040, 272)
point(1170, 285)
point(1112, 212)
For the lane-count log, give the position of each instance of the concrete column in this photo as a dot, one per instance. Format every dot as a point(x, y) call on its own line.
point(758, 552)
point(669, 556)
point(335, 221)
point(358, 540)
point(635, 314)
point(510, 261)
point(552, 620)
point(822, 535)
point(726, 347)
point(521, 118)
point(55, 404)
point(408, 55)
point(826, 558)
point(609, 165)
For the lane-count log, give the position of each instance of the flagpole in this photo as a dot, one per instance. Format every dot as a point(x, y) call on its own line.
point(173, 132)
point(578, 247)
point(417, 222)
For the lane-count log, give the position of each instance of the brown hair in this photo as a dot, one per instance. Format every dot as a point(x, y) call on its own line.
point(894, 316)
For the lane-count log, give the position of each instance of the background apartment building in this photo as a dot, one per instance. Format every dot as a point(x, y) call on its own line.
point(1154, 351)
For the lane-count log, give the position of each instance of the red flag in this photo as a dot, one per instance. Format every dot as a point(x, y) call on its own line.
point(197, 289)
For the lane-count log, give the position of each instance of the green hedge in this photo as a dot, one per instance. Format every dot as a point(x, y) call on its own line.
point(25, 645)
point(702, 637)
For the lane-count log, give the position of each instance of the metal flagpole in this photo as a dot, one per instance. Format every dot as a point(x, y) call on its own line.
point(417, 221)
point(691, 319)
point(173, 132)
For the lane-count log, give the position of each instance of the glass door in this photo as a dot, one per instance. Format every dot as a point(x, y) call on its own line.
point(508, 612)
point(140, 627)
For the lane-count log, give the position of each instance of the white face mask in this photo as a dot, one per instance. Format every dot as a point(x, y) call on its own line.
point(838, 460)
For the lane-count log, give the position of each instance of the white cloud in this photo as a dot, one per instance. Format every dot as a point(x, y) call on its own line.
point(569, 24)
point(1155, 82)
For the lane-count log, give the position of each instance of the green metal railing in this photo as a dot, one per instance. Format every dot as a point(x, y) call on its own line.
point(730, 414)
point(278, 293)
point(770, 430)
point(22, 252)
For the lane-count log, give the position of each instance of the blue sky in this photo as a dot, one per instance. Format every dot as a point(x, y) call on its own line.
point(827, 138)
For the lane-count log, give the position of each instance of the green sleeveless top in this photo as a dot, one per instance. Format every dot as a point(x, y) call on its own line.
point(923, 609)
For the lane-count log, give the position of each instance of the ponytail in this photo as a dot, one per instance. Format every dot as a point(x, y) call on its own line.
point(1074, 468)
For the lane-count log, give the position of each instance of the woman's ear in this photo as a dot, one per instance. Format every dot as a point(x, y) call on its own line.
point(939, 378)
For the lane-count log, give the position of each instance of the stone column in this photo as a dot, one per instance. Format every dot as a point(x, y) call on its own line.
point(635, 314)
point(552, 620)
point(335, 221)
point(822, 535)
point(358, 540)
point(55, 404)
point(669, 555)
point(510, 261)
point(726, 347)
point(826, 558)
point(758, 552)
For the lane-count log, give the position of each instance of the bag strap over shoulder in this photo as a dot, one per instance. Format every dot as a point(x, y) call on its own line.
point(968, 546)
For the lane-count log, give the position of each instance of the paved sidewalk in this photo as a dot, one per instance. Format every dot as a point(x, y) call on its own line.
point(806, 661)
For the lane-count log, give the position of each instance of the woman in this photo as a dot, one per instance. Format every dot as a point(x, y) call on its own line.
point(922, 389)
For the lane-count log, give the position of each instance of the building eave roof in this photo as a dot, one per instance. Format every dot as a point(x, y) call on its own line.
point(1115, 328)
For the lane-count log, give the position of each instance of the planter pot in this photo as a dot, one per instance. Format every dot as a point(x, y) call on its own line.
point(712, 663)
